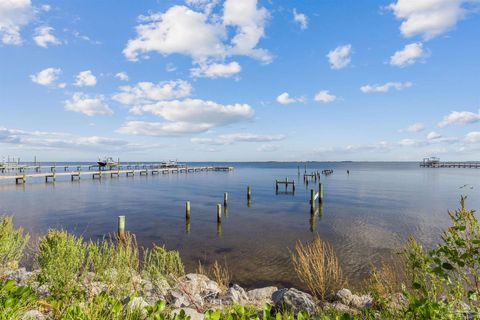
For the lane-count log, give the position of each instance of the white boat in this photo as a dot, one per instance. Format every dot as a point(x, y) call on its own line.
point(106, 162)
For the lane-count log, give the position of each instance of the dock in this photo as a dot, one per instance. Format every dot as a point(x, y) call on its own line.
point(436, 163)
point(21, 176)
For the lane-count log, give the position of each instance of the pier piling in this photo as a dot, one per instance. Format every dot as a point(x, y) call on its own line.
point(121, 227)
point(219, 213)
point(187, 210)
point(249, 193)
point(225, 199)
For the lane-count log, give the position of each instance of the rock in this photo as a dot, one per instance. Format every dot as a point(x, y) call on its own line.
point(20, 275)
point(295, 300)
point(344, 296)
point(262, 294)
point(341, 307)
point(236, 294)
point(193, 290)
point(137, 303)
point(154, 289)
point(361, 302)
point(33, 315)
point(192, 313)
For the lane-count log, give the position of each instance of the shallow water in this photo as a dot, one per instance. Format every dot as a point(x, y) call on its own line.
point(366, 215)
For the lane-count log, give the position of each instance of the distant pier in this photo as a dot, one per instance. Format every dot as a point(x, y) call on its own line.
point(21, 174)
point(436, 163)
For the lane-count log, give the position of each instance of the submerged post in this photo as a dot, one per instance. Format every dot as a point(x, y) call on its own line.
point(225, 199)
point(187, 210)
point(219, 213)
point(121, 227)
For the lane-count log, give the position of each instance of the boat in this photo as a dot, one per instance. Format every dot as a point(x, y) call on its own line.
point(106, 162)
point(169, 164)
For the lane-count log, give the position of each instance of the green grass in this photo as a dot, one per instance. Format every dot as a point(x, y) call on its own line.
point(160, 263)
point(12, 243)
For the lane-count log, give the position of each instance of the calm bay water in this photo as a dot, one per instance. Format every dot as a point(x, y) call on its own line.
point(366, 215)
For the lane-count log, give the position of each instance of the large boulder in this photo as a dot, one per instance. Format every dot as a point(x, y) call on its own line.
point(235, 294)
point(345, 297)
point(259, 297)
point(294, 300)
point(192, 313)
point(193, 290)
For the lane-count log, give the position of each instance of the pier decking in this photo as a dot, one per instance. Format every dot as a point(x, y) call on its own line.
point(21, 176)
point(436, 163)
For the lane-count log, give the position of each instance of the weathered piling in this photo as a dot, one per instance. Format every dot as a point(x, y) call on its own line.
point(219, 213)
point(225, 199)
point(121, 227)
point(249, 193)
point(312, 198)
point(187, 210)
point(320, 193)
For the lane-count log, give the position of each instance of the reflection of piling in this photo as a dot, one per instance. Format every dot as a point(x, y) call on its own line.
point(313, 225)
point(187, 226)
point(219, 213)
point(187, 210)
point(225, 199)
point(121, 227)
point(219, 229)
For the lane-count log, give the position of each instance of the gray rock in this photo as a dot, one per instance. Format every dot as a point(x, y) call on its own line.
point(20, 275)
point(361, 302)
point(192, 313)
point(236, 294)
point(33, 315)
point(344, 296)
point(262, 294)
point(193, 290)
point(294, 300)
point(154, 290)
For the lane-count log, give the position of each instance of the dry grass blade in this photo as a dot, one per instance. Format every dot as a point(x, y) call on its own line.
point(217, 272)
point(317, 266)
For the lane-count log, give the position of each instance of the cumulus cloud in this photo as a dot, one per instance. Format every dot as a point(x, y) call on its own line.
point(385, 87)
point(428, 18)
point(267, 148)
point(226, 139)
point(285, 98)
point(415, 127)
point(433, 136)
point(324, 96)
point(87, 105)
point(340, 56)
point(85, 78)
point(472, 137)
point(301, 19)
point(46, 77)
point(216, 70)
point(43, 37)
point(186, 117)
point(459, 117)
point(14, 15)
point(122, 76)
point(148, 92)
point(202, 35)
point(408, 55)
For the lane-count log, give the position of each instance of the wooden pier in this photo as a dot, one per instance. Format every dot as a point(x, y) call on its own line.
point(436, 163)
point(21, 177)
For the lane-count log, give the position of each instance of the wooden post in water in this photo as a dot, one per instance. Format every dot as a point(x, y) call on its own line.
point(320, 193)
point(312, 198)
point(225, 199)
point(187, 210)
point(286, 184)
point(276, 185)
point(249, 193)
point(219, 213)
point(121, 227)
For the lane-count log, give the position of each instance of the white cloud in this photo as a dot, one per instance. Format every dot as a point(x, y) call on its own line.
point(459, 117)
point(428, 18)
point(385, 87)
point(416, 127)
point(122, 76)
point(148, 92)
point(324, 96)
point(45, 7)
point(14, 15)
point(301, 19)
point(159, 129)
point(285, 98)
point(85, 78)
point(46, 77)
point(89, 106)
point(216, 70)
point(433, 136)
point(238, 137)
point(43, 37)
point(408, 55)
point(340, 56)
point(202, 35)
point(472, 137)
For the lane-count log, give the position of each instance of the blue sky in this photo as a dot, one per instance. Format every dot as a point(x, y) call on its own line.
point(240, 80)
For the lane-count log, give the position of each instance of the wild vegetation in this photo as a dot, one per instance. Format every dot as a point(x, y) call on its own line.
point(440, 283)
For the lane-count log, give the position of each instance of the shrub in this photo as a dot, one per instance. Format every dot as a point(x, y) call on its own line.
point(217, 272)
point(12, 243)
point(317, 266)
point(161, 263)
point(62, 258)
point(115, 263)
point(14, 300)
